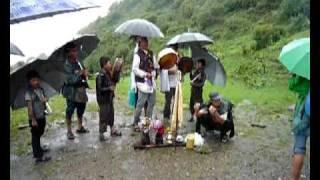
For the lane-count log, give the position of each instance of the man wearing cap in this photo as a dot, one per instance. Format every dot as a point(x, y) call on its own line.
point(74, 89)
point(144, 68)
point(216, 115)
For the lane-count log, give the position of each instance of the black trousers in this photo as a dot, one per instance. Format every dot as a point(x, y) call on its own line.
point(106, 116)
point(167, 105)
point(36, 133)
point(208, 124)
point(195, 97)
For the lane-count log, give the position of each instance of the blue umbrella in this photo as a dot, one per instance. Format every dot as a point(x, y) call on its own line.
point(25, 10)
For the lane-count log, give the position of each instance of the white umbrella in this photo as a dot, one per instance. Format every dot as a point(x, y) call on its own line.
point(139, 27)
point(15, 50)
point(190, 39)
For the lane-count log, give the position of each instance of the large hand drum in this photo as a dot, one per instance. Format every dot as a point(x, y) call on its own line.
point(116, 70)
point(185, 65)
point(167, 58)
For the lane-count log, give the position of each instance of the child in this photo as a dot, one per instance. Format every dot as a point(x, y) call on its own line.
point(105, 87)
point(36, 99)
point(197, 82)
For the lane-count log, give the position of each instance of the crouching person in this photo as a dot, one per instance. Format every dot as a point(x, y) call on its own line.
point(105, 86)
point(216, 115)
point(36, 102)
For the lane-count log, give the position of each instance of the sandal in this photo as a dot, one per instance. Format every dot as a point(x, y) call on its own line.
point(82, 130)
point(42, 159)
point(70, 135)
point(136, 128)
point(116, 133)
point(102, 138)
point(45, 150)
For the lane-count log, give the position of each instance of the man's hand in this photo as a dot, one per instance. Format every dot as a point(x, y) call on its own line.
point(112, 88)
point(44, 100)
point(84, 72)
point(149, 75)
point(34, 123)
point(196, 107)
point(212, 110)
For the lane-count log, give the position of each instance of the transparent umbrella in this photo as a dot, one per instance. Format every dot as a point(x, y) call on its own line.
point(139, 27)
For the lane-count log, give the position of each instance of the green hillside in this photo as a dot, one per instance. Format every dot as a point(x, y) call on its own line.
point(248, 35)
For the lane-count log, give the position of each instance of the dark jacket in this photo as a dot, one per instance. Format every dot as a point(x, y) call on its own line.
point(103, 87)
point(146, 63)
point(199, 83)
point(73, 80)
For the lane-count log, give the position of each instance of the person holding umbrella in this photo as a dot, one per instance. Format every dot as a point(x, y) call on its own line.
point(144, 68)
point(197, 79)
point(295, 56)
point(301, 123)
point(35, 98)
point(133, 84)
point(74, 89)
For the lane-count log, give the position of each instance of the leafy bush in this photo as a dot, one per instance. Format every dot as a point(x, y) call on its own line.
point(291, 8)
point(268, 4)
point(252, 73)
point(237, 23)
point(264, 35)
point(234, 5)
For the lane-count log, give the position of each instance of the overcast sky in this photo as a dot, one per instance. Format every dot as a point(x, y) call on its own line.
point(46, 34)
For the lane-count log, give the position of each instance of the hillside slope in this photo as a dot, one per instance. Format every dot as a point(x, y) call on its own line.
point(248, 34)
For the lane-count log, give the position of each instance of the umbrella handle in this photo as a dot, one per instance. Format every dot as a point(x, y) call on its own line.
point(48, 107)
point(82, 69)
point(195, 78)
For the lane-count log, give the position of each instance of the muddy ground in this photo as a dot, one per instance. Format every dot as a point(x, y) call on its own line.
point(254, 153)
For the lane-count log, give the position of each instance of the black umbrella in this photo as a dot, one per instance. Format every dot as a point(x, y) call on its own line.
point(52, 77)
point(214, 69)
point(85, 44)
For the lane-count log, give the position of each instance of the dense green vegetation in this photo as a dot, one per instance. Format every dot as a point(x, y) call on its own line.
point(248, 34)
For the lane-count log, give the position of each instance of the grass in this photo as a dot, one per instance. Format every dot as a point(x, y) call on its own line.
point(273, 99)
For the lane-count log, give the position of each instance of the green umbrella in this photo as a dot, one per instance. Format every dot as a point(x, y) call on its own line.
point(296, 57)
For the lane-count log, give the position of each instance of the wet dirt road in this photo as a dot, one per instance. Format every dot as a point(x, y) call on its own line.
point(254, 153)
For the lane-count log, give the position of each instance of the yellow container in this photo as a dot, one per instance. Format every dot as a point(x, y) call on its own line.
point(190, 141)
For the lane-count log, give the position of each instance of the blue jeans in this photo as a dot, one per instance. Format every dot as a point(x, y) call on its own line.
point(150, 98)
point(300, 142)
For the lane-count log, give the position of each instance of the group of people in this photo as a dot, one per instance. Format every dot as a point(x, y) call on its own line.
point(145, 70)
point(216, 114)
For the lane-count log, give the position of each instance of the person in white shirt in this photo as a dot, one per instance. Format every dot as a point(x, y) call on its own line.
point(144, 68)
point(173, 79)
point(133, 84)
